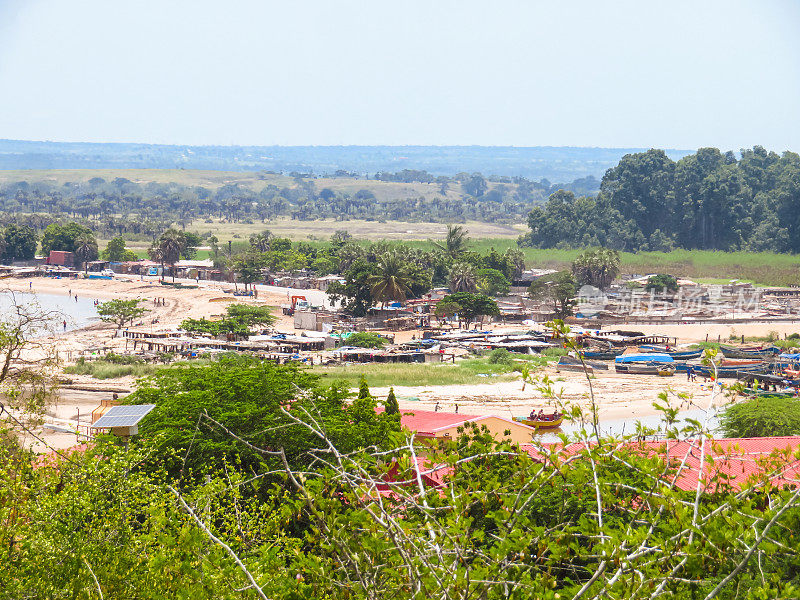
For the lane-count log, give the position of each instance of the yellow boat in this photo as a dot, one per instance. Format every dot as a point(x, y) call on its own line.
point(553, 423)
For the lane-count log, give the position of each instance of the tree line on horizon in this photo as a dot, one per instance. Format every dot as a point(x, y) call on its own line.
point(708, 200)
point(141, 210)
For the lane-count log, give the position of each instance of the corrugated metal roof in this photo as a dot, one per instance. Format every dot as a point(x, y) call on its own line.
point(733, 461)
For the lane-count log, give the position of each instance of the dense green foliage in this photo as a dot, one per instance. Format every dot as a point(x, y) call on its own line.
point(196, 404)
point(358, 526)
point(707, 200)
point(469, 307)
point(391, 405)
point(597, 267)
point(662, 283)
point(240, 319)
point(366, 339)
point(116, 252)
point(71, 237)
point(762, 416)
point(18, 242)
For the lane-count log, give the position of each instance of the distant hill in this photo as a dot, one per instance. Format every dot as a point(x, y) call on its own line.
point(556, 164)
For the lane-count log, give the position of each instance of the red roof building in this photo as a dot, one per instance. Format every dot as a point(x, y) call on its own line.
point(61, 258)
point(737, 462)
point(444, 425)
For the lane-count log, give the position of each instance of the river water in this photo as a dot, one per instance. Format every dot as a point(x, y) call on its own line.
point(77, 313)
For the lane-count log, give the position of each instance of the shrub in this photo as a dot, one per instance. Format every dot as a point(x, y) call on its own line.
point(554, 352)
point(366, 339)
point(662, 282)
point(762, 417)
point(500, 356)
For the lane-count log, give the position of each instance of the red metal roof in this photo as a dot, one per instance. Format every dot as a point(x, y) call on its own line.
point(737, 461)
point(427, 422)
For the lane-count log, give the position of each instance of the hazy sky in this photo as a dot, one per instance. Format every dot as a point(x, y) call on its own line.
point(678, 74)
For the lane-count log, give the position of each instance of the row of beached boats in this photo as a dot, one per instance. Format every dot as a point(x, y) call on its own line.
point(663, 361)
point(763, 371)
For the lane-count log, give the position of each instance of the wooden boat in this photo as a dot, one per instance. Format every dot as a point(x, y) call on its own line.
point(553, 422)
point(570, 363)
point(660, 369)
point(741, 363)
point(730, 352)
point(727, 373)
point(602, 354)
point(577, 367)
point(676, 354)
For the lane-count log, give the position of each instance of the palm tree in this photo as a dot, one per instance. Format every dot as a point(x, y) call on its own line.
point(597, 267)
point(455, 242)
point(85, 246)
point(171, 243)
point(156, 255)
point(462, 278)
point(392, 283)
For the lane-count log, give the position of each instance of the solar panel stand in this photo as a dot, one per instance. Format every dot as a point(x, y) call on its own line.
point(123, 421)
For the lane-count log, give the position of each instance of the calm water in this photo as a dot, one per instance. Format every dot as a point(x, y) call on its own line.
point(618, 427)
point(59, 308)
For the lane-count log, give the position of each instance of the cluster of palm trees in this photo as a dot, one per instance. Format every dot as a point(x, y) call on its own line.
point(393, 283)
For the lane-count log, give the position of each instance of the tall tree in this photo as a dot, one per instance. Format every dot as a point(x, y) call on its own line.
point(472, 306)
point(558, 289)
point(170, 245)
point(455, 242)
point(249, 267)
point(462, 278)
point(392, 283)
point(20, 243)
point(391, 405)
point(85, 247)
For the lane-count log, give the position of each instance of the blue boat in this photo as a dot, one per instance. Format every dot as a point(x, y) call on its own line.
point(678, 355)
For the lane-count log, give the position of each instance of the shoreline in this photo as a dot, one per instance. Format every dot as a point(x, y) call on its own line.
point(627, 397)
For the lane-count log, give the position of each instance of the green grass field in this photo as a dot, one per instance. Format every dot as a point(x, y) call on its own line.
point(464, 372)
point(706, 266)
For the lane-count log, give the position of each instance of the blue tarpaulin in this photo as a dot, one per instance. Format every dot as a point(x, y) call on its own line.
point(632, 358)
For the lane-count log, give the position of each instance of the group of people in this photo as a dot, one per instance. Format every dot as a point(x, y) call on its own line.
point(541, 416)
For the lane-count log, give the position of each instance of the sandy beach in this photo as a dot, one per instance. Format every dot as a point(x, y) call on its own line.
point(617, 396)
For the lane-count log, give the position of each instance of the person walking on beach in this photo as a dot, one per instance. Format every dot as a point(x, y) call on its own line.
point(65, 324)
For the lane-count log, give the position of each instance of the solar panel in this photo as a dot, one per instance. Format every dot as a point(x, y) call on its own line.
point(123, 416)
